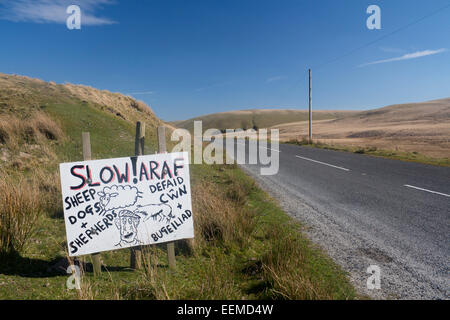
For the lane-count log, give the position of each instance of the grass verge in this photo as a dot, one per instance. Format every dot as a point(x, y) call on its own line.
point(374, 151)
point(245, 248)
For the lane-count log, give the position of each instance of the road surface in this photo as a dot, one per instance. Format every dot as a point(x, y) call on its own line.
point(368, 211)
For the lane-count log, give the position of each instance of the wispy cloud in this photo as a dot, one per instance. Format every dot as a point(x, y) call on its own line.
point(276, 78)
point(408, 56)
point(53, 11)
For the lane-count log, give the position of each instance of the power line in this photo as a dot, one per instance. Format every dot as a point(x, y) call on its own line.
point(375, 41)
point(384, 37)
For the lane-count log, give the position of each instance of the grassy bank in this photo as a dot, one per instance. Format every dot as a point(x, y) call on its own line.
point(245, 248)
point(374, 151)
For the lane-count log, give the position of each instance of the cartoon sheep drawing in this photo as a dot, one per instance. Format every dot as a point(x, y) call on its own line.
point(125, 197)
point(118, 197)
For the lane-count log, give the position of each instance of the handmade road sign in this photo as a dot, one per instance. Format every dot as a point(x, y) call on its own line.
point(125, 202)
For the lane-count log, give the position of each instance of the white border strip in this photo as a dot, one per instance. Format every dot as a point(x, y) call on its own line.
point(426, 190)
point(326, 164)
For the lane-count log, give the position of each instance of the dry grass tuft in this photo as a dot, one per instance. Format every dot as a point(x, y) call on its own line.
point(115, 103)
point(155, 282)
point(42, 125)
point(217, 281)
point(11, 129)
point(20, 207)
point(50, 192)
point(214, 280)
point(37, 128)
point(27, 143)
point(284, 267)
point(222, 217)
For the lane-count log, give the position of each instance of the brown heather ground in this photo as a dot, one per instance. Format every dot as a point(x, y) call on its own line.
point(415, 128)
point(259, 118)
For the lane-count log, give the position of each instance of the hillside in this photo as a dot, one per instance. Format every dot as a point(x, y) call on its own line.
point(21, 94)
point(73, 109)
point(243, 246)
point(263, 118)
point(414, 127)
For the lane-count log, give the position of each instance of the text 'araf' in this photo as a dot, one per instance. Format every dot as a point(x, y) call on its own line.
point(125, 202)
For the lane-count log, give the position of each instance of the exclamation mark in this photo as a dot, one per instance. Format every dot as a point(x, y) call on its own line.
point(133, 162)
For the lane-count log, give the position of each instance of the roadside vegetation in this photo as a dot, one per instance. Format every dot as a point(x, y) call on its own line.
point(374, 151)
point(245, 246)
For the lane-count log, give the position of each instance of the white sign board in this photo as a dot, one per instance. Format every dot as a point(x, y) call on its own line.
point(125, 202)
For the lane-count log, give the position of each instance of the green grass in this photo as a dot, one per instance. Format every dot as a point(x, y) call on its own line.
point(230, 270)
point(373, 151)
point(110, 136)
point(34, 274)
point(28, 276)
point(217, 270)
point(259, 254)
point(276, 229)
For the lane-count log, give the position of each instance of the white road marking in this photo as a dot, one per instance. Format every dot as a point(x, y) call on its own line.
point(426, 190)
point(326, 164)
point(243, 144)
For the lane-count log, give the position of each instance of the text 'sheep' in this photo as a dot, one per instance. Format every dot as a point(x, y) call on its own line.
point(124, 202)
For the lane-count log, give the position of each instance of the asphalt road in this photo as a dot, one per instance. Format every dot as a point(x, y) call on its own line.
point(368, 211)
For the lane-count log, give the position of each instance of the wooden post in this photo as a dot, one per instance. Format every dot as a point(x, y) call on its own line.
point(310, 108)
point(140, 139)
point(136, 252)
point(86, 139)
point(163, 149)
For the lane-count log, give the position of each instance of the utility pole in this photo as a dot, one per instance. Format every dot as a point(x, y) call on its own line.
point(310, 108)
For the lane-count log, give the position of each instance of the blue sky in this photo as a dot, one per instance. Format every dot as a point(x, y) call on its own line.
point(188, 58)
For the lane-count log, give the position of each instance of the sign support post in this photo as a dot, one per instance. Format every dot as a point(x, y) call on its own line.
point(127, 202)
point(163, 149)
point(86, 139)
point(136, 252)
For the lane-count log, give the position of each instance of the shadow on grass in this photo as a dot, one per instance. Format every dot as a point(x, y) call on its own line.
point(14, 264)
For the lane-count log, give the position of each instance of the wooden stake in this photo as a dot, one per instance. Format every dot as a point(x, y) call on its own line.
point(136, 252)
point(140, 139)
point(163, 149)
point(96, 257)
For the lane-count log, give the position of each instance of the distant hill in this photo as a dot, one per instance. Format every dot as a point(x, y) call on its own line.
point(422, 127)
point(263, 118)
point(413, 127)
point(436, 110)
